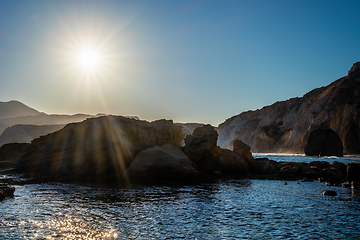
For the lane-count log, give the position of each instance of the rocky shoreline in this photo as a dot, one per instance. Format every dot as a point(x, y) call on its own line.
point(198, 161)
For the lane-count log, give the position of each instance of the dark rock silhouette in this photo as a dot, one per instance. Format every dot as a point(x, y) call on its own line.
point(199, 147)
point(97, 150)
point(10, 153)
point(324, 142)
point(231, 162)
point(353, 174)
point(162, 164)
point(263, 166)
point(285, 126)
point(6, 191)
point(329, 193)
point(243, 149)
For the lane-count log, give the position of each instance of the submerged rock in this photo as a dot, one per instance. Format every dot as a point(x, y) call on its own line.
point(6, 191)
point(329, 193)
point(162, 164)
point(324, 142)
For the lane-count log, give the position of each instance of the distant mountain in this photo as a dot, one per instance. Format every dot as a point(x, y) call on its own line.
point(15, 109)
point(284, 127)
point(3, 127)
point(26, 133)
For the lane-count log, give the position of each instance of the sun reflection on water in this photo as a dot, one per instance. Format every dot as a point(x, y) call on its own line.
point(70, 227)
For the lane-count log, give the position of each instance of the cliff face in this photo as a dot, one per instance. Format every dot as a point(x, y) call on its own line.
point(98, 149)
point(284, 127)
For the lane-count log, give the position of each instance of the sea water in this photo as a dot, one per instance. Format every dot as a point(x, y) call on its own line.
point(227, 209)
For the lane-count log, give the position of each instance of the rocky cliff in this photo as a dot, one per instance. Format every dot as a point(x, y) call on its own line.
point(284, 127)
point(97, 149)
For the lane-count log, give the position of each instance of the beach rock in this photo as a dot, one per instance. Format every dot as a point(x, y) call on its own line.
point(320, 164)
point(162, 164)
point(332, 173)
point(96, 150)
point(199, 147)
point(353, 173)
point(329, 193)
point(6, 191)
point(324, 142)
point(263, 166)
point(289, 170)
point(243, 149)
point(311, 172)
point(341, 166)
point(231, 162)
point(284, 126)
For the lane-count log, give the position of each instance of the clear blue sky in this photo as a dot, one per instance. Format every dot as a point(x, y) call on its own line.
point(190, 61)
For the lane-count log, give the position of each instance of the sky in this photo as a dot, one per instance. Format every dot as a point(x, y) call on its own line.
point(190, 61)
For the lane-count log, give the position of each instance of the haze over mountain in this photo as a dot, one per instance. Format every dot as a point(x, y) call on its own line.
point(284, 127)
point(21, 123)
point(13, 109)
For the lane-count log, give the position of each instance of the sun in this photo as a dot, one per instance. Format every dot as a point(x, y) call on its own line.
point(88, 59)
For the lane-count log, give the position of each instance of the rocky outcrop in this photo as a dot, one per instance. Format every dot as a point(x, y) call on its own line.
point(26, 133)
point(6, 191)
point(353, 174)
point(231, 162)
point(324, 142)
point(162, 164)
point(199, 147)
point(96, 150)
point(243, 149)
point(263, 167)
point(285, 126)
point(188, 129)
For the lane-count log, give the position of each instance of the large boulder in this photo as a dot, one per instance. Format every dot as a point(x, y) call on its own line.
point(231, 162)
point(289, 169)
point(162, 164)
point(324, 142)
point(96, 150)
point(199, 147)
point(263, 166)
point(243, 149)
point(353, 174)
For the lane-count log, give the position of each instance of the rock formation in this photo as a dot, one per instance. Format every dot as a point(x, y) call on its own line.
point(324, 142)
point(231, 162)
point(285, 126)
point(96, 150)
point(199, 147)
point(353, 174)
point(162, 164)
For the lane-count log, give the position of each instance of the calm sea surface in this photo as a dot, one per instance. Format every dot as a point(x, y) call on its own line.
point(231, 209)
